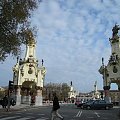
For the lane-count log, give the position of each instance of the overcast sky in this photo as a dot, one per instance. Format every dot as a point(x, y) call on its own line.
point(73, 36)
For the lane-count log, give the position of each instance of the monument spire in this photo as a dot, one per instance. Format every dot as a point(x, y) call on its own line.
point(30, 47)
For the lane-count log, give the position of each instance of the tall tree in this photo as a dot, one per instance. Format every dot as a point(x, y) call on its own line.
point(61, 90)
point(14, 25)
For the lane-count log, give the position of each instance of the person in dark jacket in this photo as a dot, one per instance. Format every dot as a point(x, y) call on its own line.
point(55, 108)
point(5, 101)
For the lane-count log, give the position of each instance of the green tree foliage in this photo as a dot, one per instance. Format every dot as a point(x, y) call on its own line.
point(14, 25)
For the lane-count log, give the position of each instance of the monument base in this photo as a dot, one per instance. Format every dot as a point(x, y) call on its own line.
point(26, 100)
point(18, 99)
point(38, 101)
point(107, 99)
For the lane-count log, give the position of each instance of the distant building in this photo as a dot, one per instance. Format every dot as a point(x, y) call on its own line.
point(83, 97)
point(2, 89)
point(114, 96)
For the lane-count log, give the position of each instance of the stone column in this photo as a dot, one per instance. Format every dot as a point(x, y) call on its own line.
point(106, 91)
point(23, 97)
point(18, 95)
point(38, 97)
point(106, 85)
point(28, 97)
point(119, 99)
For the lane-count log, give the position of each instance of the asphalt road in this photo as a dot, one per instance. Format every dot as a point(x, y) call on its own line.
point(70, 112)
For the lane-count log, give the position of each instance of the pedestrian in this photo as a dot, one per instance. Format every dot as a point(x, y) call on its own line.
point(55, 108)
point(5, 101)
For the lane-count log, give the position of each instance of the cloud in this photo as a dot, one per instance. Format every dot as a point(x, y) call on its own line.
point(73, 36)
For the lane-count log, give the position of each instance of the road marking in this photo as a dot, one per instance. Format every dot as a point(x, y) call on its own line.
point(79, 114)
point(97, 114)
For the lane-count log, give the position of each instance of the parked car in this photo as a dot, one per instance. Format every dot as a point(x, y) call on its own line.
point(80, 104)
point(97, 104)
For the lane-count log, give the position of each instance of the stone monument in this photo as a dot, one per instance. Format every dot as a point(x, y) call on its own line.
point(28, 76)
point(111, 71)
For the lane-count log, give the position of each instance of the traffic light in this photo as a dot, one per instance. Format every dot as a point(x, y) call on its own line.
point(11, 85)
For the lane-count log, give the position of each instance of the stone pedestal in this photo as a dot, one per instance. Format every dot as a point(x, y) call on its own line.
point(38, 98)
point(119, 93)
point(26, 100)
point(18, 99)
point(107, 97)
point(23, 99)
point(18, 96)
point(38, 101)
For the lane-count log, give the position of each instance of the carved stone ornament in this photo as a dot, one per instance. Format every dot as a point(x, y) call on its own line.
point(30, 71)
point(38, 88)
point(115, 70)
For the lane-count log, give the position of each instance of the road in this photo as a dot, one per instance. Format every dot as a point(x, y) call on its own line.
point(70, 112)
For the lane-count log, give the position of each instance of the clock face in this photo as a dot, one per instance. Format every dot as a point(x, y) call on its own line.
point(30, 71)
point(115, 70)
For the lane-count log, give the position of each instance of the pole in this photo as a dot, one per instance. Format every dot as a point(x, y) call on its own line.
point(8, 105)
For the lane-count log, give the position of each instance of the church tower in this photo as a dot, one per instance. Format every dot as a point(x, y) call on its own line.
point(72, 93)
point(28, 76)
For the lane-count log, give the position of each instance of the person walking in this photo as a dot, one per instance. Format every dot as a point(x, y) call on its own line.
point(55, 108)
point(5, 101)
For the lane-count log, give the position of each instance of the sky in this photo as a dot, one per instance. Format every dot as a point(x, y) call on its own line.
point(72, 37)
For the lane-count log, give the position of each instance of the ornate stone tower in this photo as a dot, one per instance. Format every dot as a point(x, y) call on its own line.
point(111, 71)
point(28, 77)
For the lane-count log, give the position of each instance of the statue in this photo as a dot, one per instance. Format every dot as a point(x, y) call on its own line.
point(42, 62)
point(71, 83)
point(115, 30)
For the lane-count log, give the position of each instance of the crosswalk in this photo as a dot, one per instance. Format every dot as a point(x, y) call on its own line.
point(78, 114)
